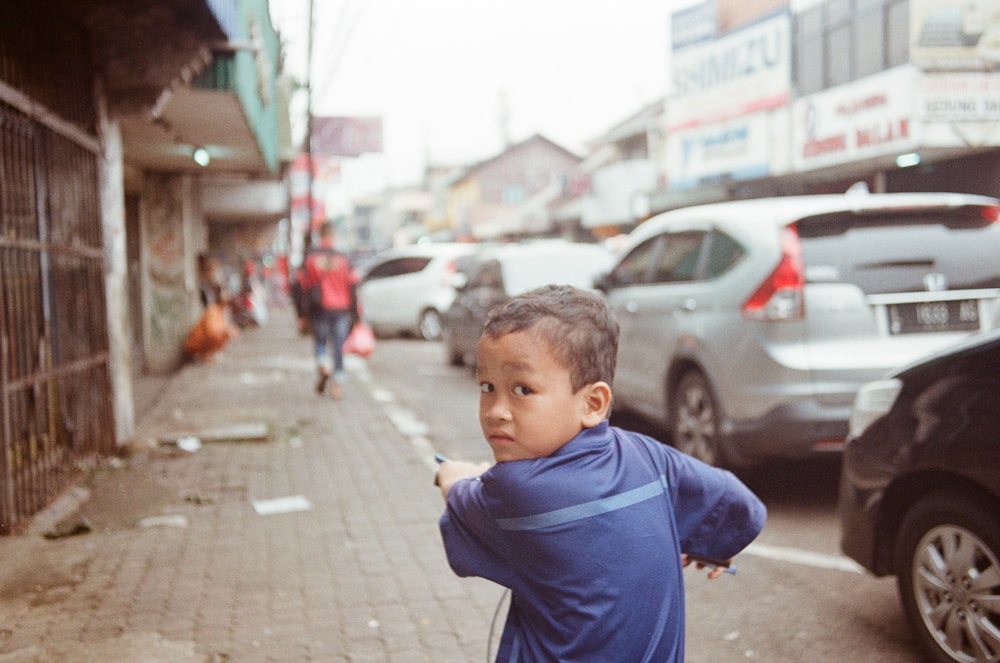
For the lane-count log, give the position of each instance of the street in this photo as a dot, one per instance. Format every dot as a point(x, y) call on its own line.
point(794, 597)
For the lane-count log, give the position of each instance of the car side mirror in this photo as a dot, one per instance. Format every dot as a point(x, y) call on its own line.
point(459, 281)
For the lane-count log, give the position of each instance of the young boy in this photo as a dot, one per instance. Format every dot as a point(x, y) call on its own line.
point(584, 522)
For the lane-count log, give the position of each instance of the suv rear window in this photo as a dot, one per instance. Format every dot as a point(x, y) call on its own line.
point(899, 252)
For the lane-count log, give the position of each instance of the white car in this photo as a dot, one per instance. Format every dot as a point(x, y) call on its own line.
point(405, 290)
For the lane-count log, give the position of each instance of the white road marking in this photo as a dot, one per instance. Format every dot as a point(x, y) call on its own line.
point(803, 557)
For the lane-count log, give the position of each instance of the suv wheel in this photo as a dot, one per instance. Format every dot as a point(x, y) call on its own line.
point(430, 325)
point(949, 578)
point(694, 419)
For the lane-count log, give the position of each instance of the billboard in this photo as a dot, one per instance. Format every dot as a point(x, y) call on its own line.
point(346, 136)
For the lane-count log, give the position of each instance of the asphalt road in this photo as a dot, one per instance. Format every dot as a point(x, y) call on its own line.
point(795, 597)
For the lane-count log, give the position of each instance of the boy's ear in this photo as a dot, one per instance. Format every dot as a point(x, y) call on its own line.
point(596, 403)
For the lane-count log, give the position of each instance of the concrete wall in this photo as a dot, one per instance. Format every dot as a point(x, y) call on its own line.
point(173, 233)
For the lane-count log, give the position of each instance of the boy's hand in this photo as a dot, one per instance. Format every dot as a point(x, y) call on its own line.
point(450, 471)
point(713, 571)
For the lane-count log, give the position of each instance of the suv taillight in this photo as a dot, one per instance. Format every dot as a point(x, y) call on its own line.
point(991, 213)
point(779, 297)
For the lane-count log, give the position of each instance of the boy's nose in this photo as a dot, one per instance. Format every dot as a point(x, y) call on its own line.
point(496, 410)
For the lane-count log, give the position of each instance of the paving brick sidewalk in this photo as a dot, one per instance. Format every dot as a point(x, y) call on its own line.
point(180, 566)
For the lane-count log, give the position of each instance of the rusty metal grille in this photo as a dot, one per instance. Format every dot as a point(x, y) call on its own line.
point(55, 388)
point(44, 55)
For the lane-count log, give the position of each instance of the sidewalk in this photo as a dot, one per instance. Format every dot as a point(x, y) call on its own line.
point(317, 542)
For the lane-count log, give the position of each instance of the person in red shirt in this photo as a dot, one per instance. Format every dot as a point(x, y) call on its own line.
point(329, 282)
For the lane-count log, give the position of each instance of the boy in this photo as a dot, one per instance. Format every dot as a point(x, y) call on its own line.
point(584, 522)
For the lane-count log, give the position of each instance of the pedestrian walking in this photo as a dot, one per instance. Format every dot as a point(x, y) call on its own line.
point(329, 287)
point(588, 525)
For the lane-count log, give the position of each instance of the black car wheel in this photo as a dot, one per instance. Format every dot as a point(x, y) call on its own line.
point(451, 353)
point(694, 419)
point(949, 578)
point(430, 325)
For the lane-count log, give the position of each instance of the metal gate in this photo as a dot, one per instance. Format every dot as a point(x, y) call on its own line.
point(55, 389)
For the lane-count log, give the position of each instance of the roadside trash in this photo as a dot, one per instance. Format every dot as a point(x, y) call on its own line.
point(189, 444)
point(164, 521)
point(251, 431)
point(200, 500)
point(73, 528)
point(278, 505)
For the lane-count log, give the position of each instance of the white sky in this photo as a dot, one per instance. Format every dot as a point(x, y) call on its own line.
point(436, 70)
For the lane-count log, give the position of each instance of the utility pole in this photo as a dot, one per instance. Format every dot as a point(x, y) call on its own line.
point(307, 239)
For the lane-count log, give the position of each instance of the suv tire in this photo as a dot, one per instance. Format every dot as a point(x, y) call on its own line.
point(694, 419)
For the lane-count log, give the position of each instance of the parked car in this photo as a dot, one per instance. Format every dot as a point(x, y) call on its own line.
point(497, 274)
point(920, 495)
point(405, 290)
point(748, 326)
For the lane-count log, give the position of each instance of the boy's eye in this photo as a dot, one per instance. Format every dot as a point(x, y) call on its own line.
point(521, 390)
point(485, 387)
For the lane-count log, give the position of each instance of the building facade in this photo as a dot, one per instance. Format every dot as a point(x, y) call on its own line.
point(103, 105)
point(815, 95)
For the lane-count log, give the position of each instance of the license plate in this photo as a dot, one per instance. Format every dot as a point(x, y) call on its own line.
point(924, 317)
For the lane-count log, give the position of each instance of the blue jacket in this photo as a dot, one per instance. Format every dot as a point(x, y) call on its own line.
point(589, 541)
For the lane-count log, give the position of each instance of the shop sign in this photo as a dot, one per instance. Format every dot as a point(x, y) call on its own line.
point(960, 97)
point(863, 119)
point(728, 151)
point(743, 71)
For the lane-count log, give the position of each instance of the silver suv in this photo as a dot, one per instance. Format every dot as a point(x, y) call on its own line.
point(748, 326)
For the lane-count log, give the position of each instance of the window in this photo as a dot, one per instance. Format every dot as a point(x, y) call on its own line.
point(678, 261)
point(897, 31)
point(838, 47)
point(635, 267)
point(808, 58)
point(397, 267)
point(839, 41)
point(869, 35)
point(723, 253)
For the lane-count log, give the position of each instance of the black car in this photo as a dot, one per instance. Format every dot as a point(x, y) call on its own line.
point(920, 495)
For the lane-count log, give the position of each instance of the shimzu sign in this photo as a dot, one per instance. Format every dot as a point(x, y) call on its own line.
point(745, 71)
point(863, 119)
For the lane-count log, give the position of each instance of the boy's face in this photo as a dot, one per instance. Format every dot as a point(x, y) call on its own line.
point(527, 408)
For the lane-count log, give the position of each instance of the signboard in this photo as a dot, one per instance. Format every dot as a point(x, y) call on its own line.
point(728, 151)
point(946, 35)
point(747, 70)
point(863, 119)
point(959, 109)
point(346, 136)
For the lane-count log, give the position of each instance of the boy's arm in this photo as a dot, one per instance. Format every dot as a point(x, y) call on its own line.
point(717, 515)
point(451, 471)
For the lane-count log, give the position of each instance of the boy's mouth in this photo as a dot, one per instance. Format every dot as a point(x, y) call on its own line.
point(498, 438)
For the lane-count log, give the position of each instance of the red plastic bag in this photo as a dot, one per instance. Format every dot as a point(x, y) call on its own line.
point(361, 340)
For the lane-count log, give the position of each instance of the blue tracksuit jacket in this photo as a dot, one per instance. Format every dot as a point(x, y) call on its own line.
point(589, 541)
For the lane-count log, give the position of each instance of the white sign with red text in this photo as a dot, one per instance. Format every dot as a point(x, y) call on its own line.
point(960, 109)
point(866, 118)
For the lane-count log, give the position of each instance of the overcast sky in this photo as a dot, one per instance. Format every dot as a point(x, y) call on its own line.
point(439, 72)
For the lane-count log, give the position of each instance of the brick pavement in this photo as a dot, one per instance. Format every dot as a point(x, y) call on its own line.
point(360, 576)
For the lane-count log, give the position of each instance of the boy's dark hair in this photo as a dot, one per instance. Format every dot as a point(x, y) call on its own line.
point(577, 326)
